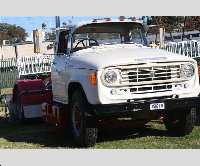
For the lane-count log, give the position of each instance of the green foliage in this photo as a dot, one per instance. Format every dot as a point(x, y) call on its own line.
point(173, 24)
point(12, 33)
point(192, 23)
point(42, 136)
point(50, 36)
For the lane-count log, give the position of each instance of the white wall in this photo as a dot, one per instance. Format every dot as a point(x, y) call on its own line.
point(23, 50)
point(7, 52)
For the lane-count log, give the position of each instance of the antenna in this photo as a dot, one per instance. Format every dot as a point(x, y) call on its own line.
point(57, 24)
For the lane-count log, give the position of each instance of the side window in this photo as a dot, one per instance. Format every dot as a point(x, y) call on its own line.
point(63, 40)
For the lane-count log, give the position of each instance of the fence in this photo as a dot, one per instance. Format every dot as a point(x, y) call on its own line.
point(14, 68)
point(8, 72)
point(188, 48)
point(34, 65)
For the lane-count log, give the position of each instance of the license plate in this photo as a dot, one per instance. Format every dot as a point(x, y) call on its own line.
point(157, 106)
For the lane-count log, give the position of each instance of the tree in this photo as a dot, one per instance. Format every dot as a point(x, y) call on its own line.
point(170, 23)
point(50, 36)
point(190, 23)
point(12, 33)
point(174, 24)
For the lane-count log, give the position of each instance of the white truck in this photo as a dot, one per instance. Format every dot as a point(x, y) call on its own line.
point(103, 72)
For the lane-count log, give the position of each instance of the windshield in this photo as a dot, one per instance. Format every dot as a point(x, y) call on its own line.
point(108, 34)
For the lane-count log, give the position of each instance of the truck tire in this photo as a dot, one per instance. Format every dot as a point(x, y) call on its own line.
point(198, 118)
point(19, 109)
point(182, 124)
point(83, 136)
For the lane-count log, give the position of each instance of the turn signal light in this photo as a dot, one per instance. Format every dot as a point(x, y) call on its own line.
point(93, 78)
point(36, 33)
point(133, 19)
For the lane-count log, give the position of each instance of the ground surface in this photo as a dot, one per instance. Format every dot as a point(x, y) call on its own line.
point(39, 135)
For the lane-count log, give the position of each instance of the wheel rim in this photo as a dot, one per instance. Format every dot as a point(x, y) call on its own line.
point(76, 119)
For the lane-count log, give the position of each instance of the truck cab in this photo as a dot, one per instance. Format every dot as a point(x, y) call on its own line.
point(104, 69)
point(76, 46)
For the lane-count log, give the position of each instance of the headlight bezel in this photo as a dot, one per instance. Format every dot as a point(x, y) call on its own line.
point(184, 70)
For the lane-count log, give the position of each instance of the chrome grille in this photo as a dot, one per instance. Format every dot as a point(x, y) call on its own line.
point(151, 88)
point(148, 74)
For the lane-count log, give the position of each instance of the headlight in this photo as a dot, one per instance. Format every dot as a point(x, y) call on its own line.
point(110, 77)
point(187, 70)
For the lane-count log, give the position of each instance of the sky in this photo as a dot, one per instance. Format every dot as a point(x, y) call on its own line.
point(30, 23)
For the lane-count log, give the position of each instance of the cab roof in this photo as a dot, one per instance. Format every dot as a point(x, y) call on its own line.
point(104, 25)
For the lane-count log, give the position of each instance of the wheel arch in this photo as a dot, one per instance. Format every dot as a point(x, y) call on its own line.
point(74, 86)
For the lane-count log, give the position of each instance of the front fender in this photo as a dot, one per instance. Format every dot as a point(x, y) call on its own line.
point(83, 78)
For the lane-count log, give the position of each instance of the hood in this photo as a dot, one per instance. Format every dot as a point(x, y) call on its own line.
point(96, 58)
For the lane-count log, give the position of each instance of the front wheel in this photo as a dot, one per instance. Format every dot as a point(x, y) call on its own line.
point(83, 136)
point(181, 124)
point(198, 118)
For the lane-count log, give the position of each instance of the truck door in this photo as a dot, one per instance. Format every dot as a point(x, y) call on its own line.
point(58, 68)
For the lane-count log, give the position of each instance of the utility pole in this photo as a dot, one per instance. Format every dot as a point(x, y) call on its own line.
point(57, 24)
point(57, 21)
point(162, 37)
point(184, 23)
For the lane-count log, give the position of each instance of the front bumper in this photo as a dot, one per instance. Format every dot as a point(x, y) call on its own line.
point(142, 109)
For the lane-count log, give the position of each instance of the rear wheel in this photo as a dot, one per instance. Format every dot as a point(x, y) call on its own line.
point(19, 109)
point(181, 124)
point(83, 136)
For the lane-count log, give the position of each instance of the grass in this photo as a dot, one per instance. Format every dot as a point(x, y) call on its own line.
point(41, 135)
point(154, 136)
point(6, 91)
